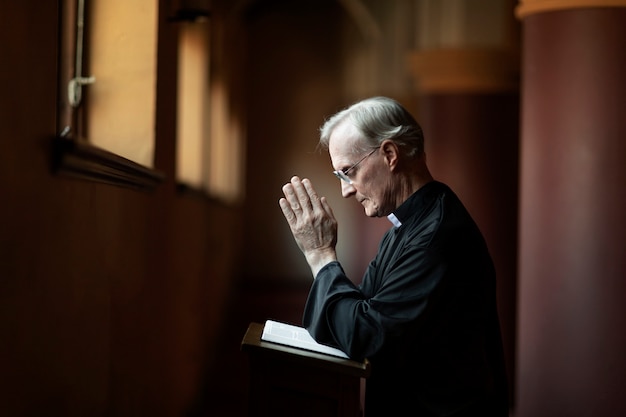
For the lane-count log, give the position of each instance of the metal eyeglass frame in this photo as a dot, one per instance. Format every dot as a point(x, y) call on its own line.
point(343, 174)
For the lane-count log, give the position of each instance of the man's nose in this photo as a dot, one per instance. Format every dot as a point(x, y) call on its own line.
point(347, 190)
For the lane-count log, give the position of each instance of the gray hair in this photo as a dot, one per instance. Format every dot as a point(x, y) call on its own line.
point(377, 119)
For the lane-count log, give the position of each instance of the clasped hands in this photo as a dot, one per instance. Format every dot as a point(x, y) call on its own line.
point(311, 221)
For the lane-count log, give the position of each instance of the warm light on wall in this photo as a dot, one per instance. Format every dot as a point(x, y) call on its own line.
point(122, 102)
point(193, 117)
point(464, 48)
point(209, 139)
point(226, 148)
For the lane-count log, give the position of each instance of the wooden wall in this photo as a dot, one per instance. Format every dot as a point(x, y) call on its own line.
point(111, 299)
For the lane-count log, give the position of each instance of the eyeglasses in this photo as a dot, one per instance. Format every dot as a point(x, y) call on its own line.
point(343, 174)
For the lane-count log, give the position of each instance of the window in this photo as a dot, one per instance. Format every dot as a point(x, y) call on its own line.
point(193, 116)
point(107, 91)
point(120, 112)
point(209, 137)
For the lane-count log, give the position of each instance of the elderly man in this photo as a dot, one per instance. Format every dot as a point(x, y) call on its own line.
point(425, 311)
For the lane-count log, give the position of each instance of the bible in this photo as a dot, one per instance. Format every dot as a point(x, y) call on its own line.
point(295, 336)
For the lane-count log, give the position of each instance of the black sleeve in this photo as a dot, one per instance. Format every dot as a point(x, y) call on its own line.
point(340, 314)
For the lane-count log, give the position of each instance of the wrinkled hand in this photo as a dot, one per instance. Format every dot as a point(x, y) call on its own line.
point(312, 222)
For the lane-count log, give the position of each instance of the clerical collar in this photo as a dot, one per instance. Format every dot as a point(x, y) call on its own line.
point(394, 220)
point(416, 202)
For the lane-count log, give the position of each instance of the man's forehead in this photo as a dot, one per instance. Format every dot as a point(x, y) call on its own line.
point(343, 138)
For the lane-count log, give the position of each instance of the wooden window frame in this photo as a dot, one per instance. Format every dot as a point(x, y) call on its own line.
point(73, 155)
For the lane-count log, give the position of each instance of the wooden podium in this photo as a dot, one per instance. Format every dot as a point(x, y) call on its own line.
point(287, 381)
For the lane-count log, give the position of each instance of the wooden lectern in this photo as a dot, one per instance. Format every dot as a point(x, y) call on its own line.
point(288, 381)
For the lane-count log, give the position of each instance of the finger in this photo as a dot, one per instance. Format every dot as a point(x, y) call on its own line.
point(312, 194)
point(327, 208)
point(287, 210)
point(301, 194)
point(290, 196)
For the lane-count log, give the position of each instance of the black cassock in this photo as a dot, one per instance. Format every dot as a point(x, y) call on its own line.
point(424, 314)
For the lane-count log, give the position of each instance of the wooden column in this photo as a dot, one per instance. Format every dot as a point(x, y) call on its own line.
point(572, 273)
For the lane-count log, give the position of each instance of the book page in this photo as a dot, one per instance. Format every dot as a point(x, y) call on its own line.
point(290, 335)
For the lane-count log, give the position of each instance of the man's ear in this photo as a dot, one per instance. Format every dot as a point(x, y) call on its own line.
point(391, 153)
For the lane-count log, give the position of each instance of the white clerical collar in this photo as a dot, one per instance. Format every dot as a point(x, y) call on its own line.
point(394, 220)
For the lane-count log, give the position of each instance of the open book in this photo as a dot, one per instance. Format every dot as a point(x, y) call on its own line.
point(290, 335)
